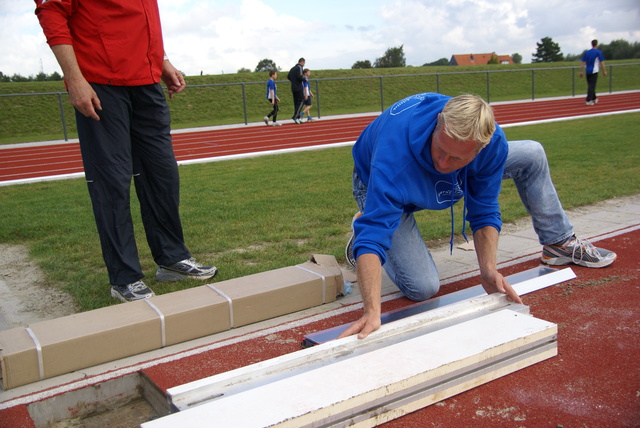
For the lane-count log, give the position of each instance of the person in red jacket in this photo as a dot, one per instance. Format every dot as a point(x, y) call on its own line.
point(112, 56)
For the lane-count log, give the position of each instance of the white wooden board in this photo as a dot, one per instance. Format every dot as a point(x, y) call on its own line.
point(353, 385)
point(195, 393)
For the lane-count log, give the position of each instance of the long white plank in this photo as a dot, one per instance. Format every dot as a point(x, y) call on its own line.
point(195, 393)
point(351, 384)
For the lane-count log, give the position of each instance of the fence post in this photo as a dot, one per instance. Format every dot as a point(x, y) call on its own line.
point(244, 104)
point(381, 95)
point(573, 82)
point(488, 89)
point(64, 123)
point(317, 97)
point(611, 78)
point(438, 83)
point(533, 85)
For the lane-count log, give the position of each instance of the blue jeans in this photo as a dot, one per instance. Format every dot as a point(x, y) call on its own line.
point(528, 167)
point(409, 263)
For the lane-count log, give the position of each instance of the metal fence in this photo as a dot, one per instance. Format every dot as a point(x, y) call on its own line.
point(380, 91)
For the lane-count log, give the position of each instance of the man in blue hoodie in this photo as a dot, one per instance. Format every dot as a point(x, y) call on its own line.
point(412, 158)
point(427, 151)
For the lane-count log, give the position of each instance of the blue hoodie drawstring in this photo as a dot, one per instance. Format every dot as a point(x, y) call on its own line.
point(464, 211)
point(464, 207)
point(453, 231)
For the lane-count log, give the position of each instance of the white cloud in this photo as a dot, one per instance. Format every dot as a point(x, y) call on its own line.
point(435, 30)
point(23, 49)
point(224, 35)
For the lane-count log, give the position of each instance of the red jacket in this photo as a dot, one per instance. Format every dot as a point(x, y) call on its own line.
point(116, 42)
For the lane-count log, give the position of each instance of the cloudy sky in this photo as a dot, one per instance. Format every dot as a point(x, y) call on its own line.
point(222, 36)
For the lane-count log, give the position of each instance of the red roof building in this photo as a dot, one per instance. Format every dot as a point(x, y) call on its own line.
point(479, 59)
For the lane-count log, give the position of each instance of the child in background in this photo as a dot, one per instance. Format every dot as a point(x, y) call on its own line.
point(307, 94)
point(273, 99)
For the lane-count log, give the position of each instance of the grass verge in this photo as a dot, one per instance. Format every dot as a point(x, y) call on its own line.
point(252, 215)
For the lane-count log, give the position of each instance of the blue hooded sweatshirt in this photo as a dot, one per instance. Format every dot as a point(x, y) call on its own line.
point(392, 157)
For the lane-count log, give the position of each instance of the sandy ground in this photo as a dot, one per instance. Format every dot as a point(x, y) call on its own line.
point(25, 299)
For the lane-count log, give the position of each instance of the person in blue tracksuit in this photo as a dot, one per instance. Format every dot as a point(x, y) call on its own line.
point(308, 95)
point(592, 61)
point(272, 98)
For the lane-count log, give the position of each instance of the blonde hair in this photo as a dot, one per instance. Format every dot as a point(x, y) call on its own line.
point(468, 118)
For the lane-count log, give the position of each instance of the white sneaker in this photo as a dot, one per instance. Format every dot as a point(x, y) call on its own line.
point(266, 120)
point(577, 251)
point(276, 124)
point(131, 292)
point(183, 269)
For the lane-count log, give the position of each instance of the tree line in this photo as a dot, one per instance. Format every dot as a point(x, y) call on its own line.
point(549, 51)
point(40, 77)
point(546, 51)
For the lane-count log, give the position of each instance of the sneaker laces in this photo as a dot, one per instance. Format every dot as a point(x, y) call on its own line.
point(582, 247)
point(191, 262)
point(189, 266)
point(138, 286)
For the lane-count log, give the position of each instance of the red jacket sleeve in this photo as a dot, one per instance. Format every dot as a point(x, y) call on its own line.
point(53, 16)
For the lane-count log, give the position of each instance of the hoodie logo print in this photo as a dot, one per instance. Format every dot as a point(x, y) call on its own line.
point(443, 192)
point(409, 102)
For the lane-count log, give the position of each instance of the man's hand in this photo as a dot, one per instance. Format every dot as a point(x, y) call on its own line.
point(364, 326)
point(172, 78)
point(486, 243)
point(81, 94)
point(83, 97)
point(494, 282)
point(370, 284)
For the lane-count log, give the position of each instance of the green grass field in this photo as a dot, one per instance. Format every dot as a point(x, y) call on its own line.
point(252, 215)
point(218, 99)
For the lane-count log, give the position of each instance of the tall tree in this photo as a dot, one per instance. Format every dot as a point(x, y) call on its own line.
point(266, 65)
point(547, 51)
point(393, 57)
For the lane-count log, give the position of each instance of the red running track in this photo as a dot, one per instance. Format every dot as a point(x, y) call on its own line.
point(22, 162)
